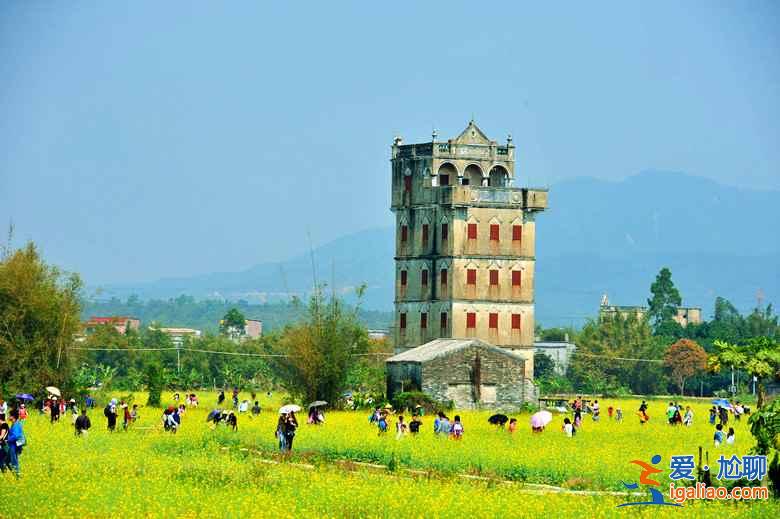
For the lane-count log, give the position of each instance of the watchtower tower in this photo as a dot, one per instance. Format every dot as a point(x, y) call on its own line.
point(464, 243)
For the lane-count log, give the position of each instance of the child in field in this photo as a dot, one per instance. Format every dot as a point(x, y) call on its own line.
point(457, 429)
point(610, 411)
point(400, 427)
point(619, 415)
point(730, 436)
point(256, 409)
point(568, 428)
point(134, 413)
point(718, 437)
point(126, 418)
point(713, 415)
point(577, 418)
point(512, 425)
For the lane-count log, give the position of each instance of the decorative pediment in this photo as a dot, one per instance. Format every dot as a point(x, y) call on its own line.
point(472, 135)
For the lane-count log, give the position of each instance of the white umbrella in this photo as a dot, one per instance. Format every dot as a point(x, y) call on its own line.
point(289, 408)
point(541, 419)
point(54, 391)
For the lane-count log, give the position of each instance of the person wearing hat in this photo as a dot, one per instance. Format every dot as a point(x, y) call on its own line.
point(55, 410)
point(110, 413)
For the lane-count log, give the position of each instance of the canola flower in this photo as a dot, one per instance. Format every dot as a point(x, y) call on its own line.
point(200, 472)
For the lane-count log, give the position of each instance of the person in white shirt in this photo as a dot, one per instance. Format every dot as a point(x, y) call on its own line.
point(568, 428)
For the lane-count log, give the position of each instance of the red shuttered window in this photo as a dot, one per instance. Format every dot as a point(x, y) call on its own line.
point(494, 277)
point(472, 231)
point(408, 183)
point(516, 278)
point(471, 320)
point(494, 232)
point(471, 276)
point(515, 321)
point(493, 321)
point(517, 232)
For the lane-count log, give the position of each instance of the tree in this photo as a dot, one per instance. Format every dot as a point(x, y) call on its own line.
point(759, 357)
point(666, 298)
point(685, 359)
point(319, 351)
point(233, 323)
point(544, 366)
point(765, 428)
point(39, 316)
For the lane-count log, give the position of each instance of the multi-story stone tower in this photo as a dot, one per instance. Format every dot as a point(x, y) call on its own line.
point(464, 244)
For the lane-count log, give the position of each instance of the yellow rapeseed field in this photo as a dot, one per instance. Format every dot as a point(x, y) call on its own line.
point(201, 472)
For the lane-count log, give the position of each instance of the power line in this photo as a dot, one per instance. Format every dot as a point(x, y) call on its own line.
point(196, 350)
point(615, 358)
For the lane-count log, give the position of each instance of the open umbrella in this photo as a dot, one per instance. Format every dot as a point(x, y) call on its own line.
point(721, 402)
point(498, 419)
point(541, 419)
point(317, 403)
point(53, 391)
point(213, 415)
point(289, 408)
point(25, 396)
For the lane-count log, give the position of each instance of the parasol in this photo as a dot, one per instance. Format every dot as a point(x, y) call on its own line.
point(721, 402)
point(289, 408)
point(54, 391)
point(318, 403)
point(541, 419)
point(25, 396)
point(498, 419)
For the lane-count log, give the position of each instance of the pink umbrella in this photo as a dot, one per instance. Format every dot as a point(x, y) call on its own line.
point(541, 419)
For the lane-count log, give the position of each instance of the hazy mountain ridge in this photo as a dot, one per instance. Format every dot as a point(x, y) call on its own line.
point(596, 237)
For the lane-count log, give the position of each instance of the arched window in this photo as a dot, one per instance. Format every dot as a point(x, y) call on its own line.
point(472, 176)
point(499, 177)
point(447, 174)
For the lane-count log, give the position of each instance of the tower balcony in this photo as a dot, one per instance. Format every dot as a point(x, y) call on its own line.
point(528, 199)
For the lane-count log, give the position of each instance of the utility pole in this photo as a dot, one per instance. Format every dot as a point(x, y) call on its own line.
point(178, 357)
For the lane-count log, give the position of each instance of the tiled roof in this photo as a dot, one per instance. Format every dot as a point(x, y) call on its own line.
point(441, 347)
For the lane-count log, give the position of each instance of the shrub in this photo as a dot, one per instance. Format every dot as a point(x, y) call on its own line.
point(411, 399)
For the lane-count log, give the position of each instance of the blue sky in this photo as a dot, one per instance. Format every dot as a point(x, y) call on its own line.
point(152, 139)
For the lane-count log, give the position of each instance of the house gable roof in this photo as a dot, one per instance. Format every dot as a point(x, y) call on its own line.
point(442, 347)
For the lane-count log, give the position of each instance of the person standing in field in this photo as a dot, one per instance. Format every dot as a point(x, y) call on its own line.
point(596, 411)
point(619, 415)
point(457, 429)
point(220, 398)
point(512, 425)
point(688, 418)
point(55, 410)
point(577, 418)
point(568, 428)
point(280, 433)
point(235, 397)
point(382, 423)
point(724, 416)
point(15, 442)
point(126, 417)
point(713, 415)
point(610, 412)
point(4, 429)
point(730, 436)
point(82, 424)
point(256, 409)
point(134, 413)
point(400, 427)
point(290, 426)
point(110, 413)
point(415, 424)
point(718, 437)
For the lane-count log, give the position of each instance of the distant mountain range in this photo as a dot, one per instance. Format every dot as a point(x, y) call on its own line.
point(597, 237)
